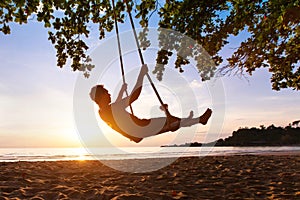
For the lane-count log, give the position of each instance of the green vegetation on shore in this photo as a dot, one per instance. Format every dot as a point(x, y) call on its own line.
point(263, 136)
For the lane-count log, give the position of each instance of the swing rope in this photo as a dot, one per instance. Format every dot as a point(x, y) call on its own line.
point(142, 60)
point(120, 52)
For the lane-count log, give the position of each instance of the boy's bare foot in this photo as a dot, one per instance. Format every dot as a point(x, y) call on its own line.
point(205, 117)
point(191, 115)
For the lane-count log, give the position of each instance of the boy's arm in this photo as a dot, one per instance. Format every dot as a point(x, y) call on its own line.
point(122, 90)
point(137, 88)
point(138, 85)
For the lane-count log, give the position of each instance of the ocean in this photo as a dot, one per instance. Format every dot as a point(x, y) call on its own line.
point(59, 154)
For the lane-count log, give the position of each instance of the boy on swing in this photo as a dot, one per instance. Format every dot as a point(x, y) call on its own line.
point(132, 127)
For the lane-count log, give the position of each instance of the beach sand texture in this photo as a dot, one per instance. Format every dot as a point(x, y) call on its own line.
point(219, 177)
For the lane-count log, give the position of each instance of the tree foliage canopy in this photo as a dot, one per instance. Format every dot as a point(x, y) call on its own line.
point(273, 27)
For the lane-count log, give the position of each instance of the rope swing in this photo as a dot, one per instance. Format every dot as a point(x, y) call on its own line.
point(120, 52)
point(140, 55)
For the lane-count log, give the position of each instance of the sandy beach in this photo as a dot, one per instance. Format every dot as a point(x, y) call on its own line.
point(218, 177)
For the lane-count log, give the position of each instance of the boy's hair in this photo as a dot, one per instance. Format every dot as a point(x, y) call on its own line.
point(96, 92)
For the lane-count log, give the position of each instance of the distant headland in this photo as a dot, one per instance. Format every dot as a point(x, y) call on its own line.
point(262, 136)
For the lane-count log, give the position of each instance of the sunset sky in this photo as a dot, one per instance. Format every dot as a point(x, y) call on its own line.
point(36, 97)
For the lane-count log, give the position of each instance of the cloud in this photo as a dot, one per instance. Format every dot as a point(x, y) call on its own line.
point(195, 84)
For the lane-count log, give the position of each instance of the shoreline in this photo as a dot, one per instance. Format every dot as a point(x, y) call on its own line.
point(59, 154)
point(210, 177)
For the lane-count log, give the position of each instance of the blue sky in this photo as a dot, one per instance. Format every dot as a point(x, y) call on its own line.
point(36, 97)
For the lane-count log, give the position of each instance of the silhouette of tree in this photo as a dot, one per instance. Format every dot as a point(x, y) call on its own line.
point(270, 136)
point(296, 123)
point(271, 127)
point(273, 28)
point(262, 127)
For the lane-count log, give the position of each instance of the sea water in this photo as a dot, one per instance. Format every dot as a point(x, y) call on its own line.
point(56, 154)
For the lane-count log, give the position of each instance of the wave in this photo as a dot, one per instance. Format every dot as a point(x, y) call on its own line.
point(61, 154)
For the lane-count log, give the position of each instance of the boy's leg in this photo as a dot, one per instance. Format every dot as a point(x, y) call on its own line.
point(185, 122)
point(171, 124)
point(174, 123)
